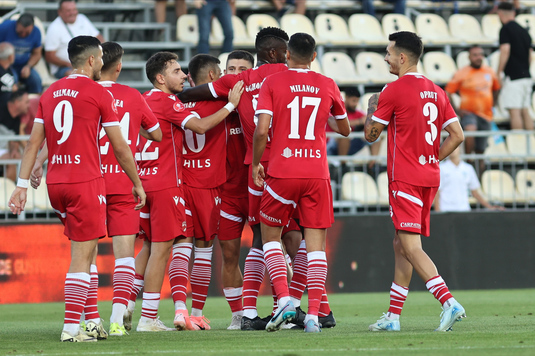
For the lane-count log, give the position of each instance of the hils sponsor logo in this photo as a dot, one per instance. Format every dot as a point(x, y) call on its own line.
point(411, 225)
point(301, 153)
point(429, 160)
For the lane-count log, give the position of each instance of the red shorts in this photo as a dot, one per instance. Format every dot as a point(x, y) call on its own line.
point(255, 196)
point(163, 217)
point(122, 218)
point(202, 212)
point(291, 226)
point(410, 206)
point(313, 198)
point(81, 207)
point(233, 216)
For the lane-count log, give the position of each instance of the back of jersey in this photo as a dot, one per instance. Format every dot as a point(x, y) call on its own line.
point(72, 110)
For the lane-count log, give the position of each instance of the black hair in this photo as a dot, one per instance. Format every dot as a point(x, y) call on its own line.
point(200, 65)
point(408, 42)
point(270, 37)
point(352, 91)
point(26, 20)
point(302, 47)
point(113, 52)
point(506, 6)
point(62, 1)
point(158, 63)
point(16, 95)
point(240, 54)
point(79, 48)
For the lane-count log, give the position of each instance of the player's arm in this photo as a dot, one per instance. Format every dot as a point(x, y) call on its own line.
point(505, 52)
point(126, 160)
point(372, 128)
point(436, 203)
point(37, 171)
point(198, 93)
point(155, 135)
point(201, 126)
point(260, 137)
point(454, 139)
point(18, 198)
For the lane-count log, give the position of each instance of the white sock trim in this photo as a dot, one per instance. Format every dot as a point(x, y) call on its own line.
point(272, 245)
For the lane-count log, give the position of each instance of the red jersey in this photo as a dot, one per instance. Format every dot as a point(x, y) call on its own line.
point(237, 171)
point(133, 112)
point(300, 102)
point(415, 110)
point(252, 81)
point(160, 163)
point(204, 155)
point(73, 110)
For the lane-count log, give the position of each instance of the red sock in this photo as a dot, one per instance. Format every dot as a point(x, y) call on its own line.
point(316, 276)
point(123, 279)
point(398, 295)
point(299, 278)
point(201, 273)
point(437, 286)
point(253, 275)
point(325, 308)
point(179, 271)
point(76, 288)
point(137, 286)
point(91, 308)
point(234, 298)
point(151, 302)
point(277, 268)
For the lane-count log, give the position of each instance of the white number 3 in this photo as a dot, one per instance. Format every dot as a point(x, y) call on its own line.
point(431, 111)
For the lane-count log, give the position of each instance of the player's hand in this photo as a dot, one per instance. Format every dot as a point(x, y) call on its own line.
point(18, 200)
point(199, 3)
point(139, 197)
point(36, 176)
point(235, 93)
point(258, 175)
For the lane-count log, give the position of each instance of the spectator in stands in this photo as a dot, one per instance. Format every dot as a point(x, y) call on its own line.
point(516, 5)
point(26, 120)
point(26, 38)
point(10, 115)
point(399, 6)
point(290, 6)
point(220, 9)
point(457, 180)
point(160, 9)
point(478, 87)
point(8, 77)
point(515, 59)
point(65, 27)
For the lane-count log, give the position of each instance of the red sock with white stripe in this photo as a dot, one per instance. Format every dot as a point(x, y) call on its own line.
point(179, 272)
point(316, 276)
point(76, 289)
point(139, 282)
point(276, 267)
point(253, 276)
point(201, 273)
point(325, 308)
point(91, 308)
point(123, 281)
point(149, 307)
point(234, 299)
point(398, 295)
point(438, 288)
point(299, 278)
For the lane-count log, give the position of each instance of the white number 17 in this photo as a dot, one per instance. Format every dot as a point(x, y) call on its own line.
point(294, 121)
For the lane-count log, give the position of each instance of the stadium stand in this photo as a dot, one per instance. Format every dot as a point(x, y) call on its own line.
point(491, 25)
point(359, 187)
point(439, 66)
point(498, 186)
point(293, 23)
point(340, 67)
point(256, 22)
point(372, 68)
point(373, 36)
point(396, 22)
point(434, 30)
point(525, 185)
point(333, 29)
point(467, 29)
point(241, 36)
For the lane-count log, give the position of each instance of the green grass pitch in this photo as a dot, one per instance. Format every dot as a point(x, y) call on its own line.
point(499, 322)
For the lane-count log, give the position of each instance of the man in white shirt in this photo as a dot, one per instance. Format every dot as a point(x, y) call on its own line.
point(457, 179)
point(65, 27)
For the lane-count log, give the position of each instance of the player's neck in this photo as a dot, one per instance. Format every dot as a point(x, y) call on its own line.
point(406, 70)
point(164, 89)
point(83, 71)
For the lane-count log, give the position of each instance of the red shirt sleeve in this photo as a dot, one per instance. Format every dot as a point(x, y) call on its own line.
point(338, 109)
point(221, 87)
point(108, 111)
point(265, 99)
point(385, 106)
point(148, 120)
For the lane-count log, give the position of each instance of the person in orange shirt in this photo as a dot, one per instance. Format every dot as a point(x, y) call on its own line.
point(478, 86)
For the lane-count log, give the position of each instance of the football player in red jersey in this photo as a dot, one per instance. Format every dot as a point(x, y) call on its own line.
point(415, 110)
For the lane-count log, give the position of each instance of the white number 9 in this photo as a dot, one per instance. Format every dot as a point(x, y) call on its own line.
point(63, 119)
point(430, 110)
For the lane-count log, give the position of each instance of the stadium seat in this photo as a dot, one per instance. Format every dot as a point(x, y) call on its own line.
point(256, 22)
point(463, 61)
point(366, 29)
point(517, 144)
point(241, 36)
point(439, 66)
point(396, 22)
point(363, 102)
point(187, 28)
point(293, 23)
point(332, 28)
point(467, 29)
point(315, 66)
point(372, 68)
point(497, 149)
point(223, 61)
point(359, 187)
point(525, 184)
point(433, 29)
point(498, 186)
point(528, 22)
point(339, 67)
point(382, 187)
point(7, 186)
point(491, 26)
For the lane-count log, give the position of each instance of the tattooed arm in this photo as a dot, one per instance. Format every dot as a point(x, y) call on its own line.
point(372, 129)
